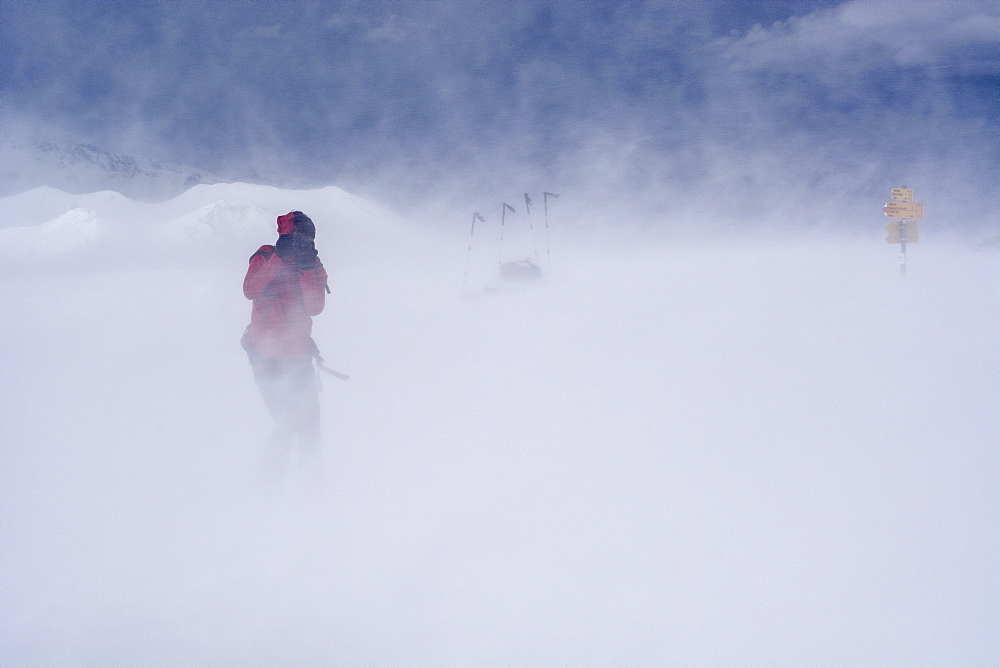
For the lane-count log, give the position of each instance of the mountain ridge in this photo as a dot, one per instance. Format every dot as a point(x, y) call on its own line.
point(79, 168)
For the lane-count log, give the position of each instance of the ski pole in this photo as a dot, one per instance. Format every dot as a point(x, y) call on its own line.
point(321, 366)
point(475, 217)
point(503, 216)
point(335, 374)
point(531, 228)
point(545, 201)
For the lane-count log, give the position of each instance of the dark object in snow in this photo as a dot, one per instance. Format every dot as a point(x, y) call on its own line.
point(520, 270)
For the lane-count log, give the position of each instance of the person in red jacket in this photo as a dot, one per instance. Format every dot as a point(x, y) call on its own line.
point(288, 285)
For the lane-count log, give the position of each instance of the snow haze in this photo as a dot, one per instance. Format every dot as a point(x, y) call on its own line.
point(730, 449)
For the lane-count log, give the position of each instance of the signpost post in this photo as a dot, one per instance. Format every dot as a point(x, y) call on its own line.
point(904, 230)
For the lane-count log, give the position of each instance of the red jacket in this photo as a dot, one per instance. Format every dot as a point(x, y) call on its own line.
point(284, 301)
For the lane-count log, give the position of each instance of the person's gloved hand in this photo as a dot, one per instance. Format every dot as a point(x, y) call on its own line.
point(304, 252)
point(285, 248)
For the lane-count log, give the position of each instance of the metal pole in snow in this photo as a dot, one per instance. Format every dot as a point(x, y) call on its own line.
point(475, 217)
point(545, 201)
point(531, 228)
point(503, 215)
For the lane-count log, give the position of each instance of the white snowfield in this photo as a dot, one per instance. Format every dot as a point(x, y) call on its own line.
point(711, 451)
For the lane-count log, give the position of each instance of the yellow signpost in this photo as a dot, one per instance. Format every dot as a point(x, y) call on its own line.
point(904, 230)
point(903, 210)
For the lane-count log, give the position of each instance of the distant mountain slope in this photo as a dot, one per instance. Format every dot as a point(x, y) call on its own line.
point(83, 168)
point(45, 227)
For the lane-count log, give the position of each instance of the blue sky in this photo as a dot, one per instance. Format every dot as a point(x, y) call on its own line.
point(727, 109)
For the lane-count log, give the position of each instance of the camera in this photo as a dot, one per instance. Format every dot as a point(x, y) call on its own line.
point(301, 243)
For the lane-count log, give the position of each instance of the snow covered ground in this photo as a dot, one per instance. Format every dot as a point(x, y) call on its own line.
point(702, 452)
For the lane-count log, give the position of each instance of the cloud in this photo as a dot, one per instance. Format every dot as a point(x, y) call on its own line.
point(866, 36)
point(426, 105)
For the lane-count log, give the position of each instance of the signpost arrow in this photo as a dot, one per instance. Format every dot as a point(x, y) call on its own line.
point(893, 229)
point(902, 194)
point(900, 231)
point(903, 210)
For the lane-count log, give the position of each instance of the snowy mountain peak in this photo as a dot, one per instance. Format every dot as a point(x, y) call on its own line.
point(82, 168)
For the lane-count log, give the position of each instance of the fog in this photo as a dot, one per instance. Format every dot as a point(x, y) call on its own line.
point(755, 448)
